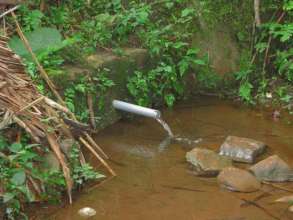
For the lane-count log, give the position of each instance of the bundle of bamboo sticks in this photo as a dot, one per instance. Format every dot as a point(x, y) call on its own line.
point(41, 117)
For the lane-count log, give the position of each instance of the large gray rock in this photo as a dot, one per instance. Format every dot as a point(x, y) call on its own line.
point(238, 180)
point(272, 169)
point(242, 149)
point(207, 162)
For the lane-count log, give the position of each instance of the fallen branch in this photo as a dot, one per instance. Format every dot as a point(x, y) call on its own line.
point(257, 12)
point(91, 110)
point(278, 187)
point(261, 208)
point(87, 145)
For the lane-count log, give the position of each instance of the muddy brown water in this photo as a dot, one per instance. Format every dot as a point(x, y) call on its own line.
point(153, 178)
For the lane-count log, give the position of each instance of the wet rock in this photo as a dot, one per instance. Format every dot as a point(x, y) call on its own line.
point(87, 212)
point(207, 162)
point(242, 149)
point(238, 180)
point(272, 169)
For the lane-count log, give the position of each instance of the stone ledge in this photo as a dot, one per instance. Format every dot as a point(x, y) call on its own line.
point(120, 68)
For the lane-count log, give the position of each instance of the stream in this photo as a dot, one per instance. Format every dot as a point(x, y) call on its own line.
point(154, 182)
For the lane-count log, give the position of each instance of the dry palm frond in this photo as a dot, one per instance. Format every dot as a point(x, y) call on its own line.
point(21, 103)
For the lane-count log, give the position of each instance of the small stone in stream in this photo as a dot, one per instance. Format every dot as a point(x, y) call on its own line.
point(290, 208)
point(272, 169)
point(206, 162)
point(87, 212)
point(242, 149)
point(238, 180)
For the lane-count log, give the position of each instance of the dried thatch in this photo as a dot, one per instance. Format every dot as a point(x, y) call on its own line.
point(39, 116)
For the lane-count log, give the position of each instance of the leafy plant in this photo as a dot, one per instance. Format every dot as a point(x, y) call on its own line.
point(18, 167)
point(82, 173)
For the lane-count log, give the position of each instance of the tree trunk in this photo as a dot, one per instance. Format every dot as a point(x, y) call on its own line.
point(257, 13)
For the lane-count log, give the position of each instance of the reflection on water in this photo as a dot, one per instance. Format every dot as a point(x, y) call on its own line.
point(153, 180)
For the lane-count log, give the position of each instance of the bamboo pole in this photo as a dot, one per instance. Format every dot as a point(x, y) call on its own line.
point(86, 144)
point(49, 82)
point(40, 67)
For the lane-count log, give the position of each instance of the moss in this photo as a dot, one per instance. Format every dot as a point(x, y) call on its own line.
point(120, 68)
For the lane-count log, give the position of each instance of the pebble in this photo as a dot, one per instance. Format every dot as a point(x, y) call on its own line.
point(87, 212)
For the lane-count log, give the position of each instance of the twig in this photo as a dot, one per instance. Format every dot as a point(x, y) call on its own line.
point(260, 207)
point(9, 11)
point(278, 187)
point(86, 144)
point(257, 198)
point(269, 44)
point(31, 104)
point(27, 129)
point(257, 13)
point(91, 110)
point(92, 142)
point(99, 184)
point(55, 105)
point(181, 188)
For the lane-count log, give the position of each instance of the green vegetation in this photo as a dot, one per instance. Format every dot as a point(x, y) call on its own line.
point(22, 168)
point(64, 32)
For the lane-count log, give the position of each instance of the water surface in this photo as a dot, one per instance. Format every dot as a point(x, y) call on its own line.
point(154, 181)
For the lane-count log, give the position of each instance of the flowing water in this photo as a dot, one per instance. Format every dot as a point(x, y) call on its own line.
point(154, 182)
point(166, 127)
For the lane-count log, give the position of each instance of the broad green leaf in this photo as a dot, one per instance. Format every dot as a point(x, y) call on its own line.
point(15, 147)
point(40, 40)
point(199, 62)
point(169, 99)
point(192, 51)
point(187, 11)
point(18, 178)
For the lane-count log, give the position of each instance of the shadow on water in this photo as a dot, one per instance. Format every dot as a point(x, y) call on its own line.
point(153, 178)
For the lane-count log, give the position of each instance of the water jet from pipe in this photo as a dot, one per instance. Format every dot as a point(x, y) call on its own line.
point(139, 110)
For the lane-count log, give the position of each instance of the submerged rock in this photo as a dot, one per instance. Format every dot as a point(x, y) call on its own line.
point(242, 149)
point(87, 212)
point(238, 180)
point(207, 162)
point(272, 169)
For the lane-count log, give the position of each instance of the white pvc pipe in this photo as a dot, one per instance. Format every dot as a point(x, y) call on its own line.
point(136, 109)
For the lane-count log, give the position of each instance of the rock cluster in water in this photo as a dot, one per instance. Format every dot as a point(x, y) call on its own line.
point(238, 149)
